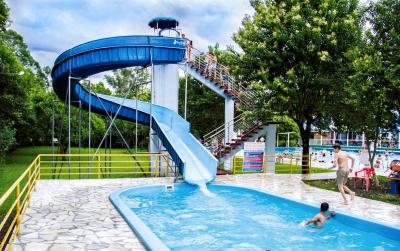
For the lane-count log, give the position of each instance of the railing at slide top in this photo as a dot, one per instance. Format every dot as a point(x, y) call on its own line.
point(219, 74)
point(290, 164)
point(15, 201)
point(229, 133)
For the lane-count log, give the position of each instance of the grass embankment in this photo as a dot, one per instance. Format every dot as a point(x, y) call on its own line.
point(380, 193)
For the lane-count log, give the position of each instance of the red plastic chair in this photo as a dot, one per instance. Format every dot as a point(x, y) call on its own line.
point(364, 176)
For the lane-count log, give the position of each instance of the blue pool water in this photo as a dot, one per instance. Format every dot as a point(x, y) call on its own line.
point(236, 218)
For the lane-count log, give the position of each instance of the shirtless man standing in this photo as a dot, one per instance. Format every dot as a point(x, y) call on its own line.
point(342, 174)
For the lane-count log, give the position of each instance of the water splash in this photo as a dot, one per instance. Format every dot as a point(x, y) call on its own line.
point(205, 191)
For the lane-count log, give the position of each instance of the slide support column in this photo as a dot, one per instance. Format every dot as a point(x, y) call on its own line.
point(229, 116)
point(165, 92)
point(270, 148)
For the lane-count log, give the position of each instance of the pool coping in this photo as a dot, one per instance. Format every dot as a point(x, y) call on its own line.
point(152, 242)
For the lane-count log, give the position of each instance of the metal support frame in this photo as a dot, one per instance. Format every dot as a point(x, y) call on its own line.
point(113, 118)
point(115, 126)
point(151, 98)
point(89, 131)
point(136, 113)
point(69, 124)
point(186, 86)
point(53, 127)
point(69, 121)
point(52, 133)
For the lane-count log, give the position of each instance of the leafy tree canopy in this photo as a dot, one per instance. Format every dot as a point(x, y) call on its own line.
point(372, 90)
point(293, 53)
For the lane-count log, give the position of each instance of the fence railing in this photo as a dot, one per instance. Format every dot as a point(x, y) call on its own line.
point(220, 74)
point(290, 164)
point(229, 133)
point(15, 201)
point(98, 166)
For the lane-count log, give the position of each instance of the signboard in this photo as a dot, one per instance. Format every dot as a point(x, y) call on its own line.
point(253, 159)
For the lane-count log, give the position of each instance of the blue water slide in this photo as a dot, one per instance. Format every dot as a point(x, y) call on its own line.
point(196, 163)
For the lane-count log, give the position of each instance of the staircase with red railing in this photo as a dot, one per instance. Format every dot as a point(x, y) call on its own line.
point(227, 137)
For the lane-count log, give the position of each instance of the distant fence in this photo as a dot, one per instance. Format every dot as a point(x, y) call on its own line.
point(283, 164)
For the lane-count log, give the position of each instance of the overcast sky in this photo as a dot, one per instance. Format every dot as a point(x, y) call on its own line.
point(50, 27)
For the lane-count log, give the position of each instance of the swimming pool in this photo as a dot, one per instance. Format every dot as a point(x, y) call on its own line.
point(238, 218)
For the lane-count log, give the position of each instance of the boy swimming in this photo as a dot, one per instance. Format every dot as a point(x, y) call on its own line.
point(319, 219)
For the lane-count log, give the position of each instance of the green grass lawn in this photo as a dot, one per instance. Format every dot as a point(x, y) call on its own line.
point(381, 192)
point(19, 160)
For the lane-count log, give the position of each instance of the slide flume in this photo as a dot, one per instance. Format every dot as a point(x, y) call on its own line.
point(196, 163)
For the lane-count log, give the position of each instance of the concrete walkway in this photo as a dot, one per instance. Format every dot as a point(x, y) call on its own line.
point(77, 215)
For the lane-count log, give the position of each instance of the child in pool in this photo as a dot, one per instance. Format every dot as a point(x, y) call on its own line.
point(319, 219)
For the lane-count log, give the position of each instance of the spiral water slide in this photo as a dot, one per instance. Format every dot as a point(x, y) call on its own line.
point(195, 162)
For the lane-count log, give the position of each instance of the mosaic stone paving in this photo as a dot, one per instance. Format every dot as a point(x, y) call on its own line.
point(77, 215)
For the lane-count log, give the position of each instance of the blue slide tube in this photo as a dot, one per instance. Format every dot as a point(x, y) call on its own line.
point(196, 163)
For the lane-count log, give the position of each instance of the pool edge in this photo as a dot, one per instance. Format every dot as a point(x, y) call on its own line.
point(152, 242)
point(149, 239)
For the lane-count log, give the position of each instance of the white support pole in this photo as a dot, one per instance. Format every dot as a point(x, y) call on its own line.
point(277, 140)
point(69, 126)
point(52, 134)
point(270, 148)
point(321, 137)
point(288, 139)
point(363, 140)
point(229, 116)
point(151, 103)
point(186, 86)
point(334, 137)
point(347, 139)
point(136, 114)
point(89, 129)
point(398, 137)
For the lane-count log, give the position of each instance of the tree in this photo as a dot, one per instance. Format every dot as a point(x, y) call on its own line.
point(293, 53)
point(16, 43)
point(3, 16)
point(373, 88)
point(7, 139)
point(13, 97)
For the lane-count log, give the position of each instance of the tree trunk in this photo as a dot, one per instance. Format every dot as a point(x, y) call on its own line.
point(373, 154)
point(305, 137)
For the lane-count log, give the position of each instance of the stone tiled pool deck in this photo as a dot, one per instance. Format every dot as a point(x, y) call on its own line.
point(77, 215)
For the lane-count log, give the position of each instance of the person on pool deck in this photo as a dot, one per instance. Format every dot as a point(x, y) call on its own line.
point(319, 219)
point(342, 174)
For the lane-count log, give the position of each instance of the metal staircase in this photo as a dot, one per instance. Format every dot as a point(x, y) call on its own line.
point(228, 138)
point(241, 129)
point(220, 76)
